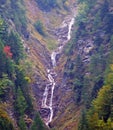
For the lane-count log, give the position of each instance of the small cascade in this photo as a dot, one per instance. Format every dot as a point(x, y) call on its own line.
point(53, 58)
point(49, 89)
point(70, 28)
point(47, 101)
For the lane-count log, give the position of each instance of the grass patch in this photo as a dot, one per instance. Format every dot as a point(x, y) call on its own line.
point(51, 44)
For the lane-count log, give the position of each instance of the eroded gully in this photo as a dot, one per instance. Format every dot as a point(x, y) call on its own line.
point(47, 100)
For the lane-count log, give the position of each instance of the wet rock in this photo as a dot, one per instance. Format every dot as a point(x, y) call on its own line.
point(44, 112)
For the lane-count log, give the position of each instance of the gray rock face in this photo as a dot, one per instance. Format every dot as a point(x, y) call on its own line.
point(44, 112)
point(85, 48)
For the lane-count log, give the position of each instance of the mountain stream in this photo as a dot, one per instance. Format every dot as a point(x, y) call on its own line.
point(47, 100)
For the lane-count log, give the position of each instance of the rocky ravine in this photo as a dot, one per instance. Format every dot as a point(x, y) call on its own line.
point(50, 93)
point(52, 96)
point(49, 89)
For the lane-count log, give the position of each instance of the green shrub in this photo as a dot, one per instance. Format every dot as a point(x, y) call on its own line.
point(38, 124)
point(5, 122)
point(22, 124)
point(39, 27)
point(46, 5)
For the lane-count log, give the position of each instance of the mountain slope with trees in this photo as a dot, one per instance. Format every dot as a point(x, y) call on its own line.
point(17, 110)
point(29, 32)
point(89, 64)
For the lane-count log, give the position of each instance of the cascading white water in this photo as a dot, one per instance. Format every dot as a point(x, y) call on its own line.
point(45, 96)
point(70, 28)
point(53, 58)
point(59, 49)
point(51, 84)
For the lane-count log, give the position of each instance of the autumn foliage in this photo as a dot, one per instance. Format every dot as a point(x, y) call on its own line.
point(7, 51)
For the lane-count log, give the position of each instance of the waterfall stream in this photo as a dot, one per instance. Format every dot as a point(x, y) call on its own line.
point(70, 27)
point(45, 96)
point(49, 89)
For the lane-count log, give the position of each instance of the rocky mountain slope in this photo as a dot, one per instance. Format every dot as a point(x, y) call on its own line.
point(55, 58)
point(58, 32)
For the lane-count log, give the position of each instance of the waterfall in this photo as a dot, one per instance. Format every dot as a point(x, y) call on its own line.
point(53, 58)
point(70, 28)
point(50, 74)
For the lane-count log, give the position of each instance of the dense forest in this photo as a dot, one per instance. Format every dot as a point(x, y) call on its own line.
point(13, 80)
point(14, 77)
point(92, 76)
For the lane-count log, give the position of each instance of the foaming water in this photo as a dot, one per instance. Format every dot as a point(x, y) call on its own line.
point(49, 89)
